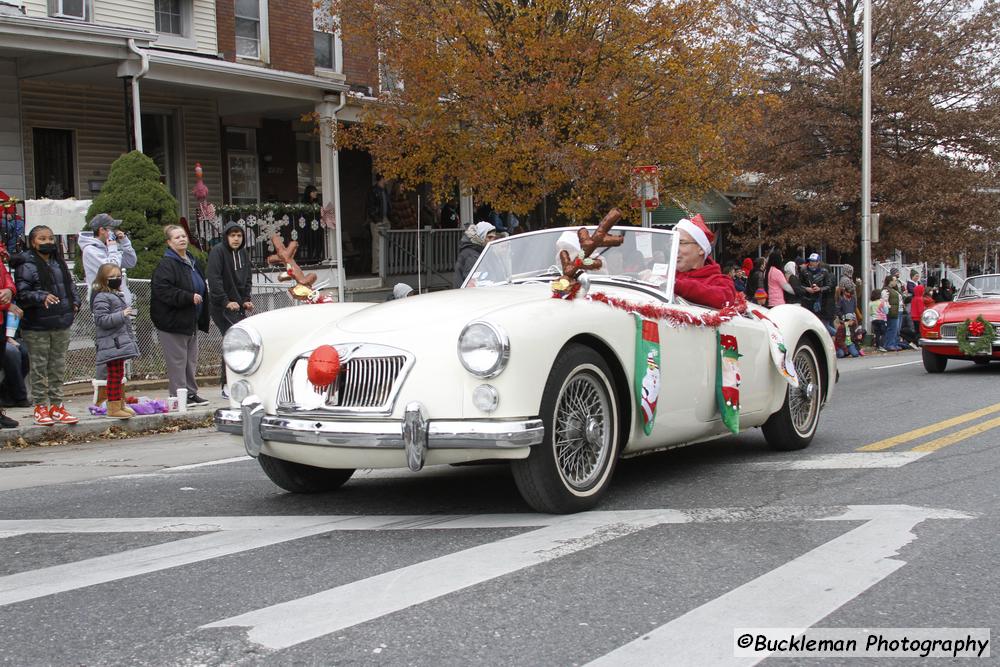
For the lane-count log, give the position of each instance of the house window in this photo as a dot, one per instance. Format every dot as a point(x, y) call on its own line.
point(324, 36)
point(250, 24)
point(55, 171)
point(70, 9)
point(169, 18)
point(244, 174)
point(389, 77)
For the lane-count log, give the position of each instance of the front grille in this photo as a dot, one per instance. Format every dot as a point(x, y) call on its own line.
point(951, 331)
point(368, 380)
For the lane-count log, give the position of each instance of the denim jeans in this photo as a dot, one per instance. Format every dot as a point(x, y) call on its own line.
point(892, 333)
point(15, 364)
point(878, 331)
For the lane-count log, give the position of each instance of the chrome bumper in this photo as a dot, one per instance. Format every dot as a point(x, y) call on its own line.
point(414, 434)
point(948, 342)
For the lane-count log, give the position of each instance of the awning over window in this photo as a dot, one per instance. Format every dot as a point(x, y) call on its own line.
point(714, 207)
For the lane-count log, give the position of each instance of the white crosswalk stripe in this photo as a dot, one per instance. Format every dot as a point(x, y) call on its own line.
point(796, 594)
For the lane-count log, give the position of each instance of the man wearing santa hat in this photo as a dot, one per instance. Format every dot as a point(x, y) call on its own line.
point(699, 279)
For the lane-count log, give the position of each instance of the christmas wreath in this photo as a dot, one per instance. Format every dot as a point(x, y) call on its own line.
point(981, 331)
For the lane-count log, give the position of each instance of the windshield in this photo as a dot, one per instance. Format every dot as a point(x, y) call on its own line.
point(978, 287)
point(646, 256)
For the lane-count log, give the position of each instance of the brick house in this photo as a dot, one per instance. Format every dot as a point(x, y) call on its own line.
point(225, 83)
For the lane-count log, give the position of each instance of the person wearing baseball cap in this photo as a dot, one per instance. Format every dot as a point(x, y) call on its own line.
point(105, 243)
point(699, 279)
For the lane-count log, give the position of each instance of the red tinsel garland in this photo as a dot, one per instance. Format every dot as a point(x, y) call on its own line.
point(672, 316)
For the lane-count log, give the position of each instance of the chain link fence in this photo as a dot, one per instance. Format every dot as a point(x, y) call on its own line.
point(150, 363)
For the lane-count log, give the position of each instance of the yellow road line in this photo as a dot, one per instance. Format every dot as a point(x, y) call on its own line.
point(952, 438)
point(927, 430)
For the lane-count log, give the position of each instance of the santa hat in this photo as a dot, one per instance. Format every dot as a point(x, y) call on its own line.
point(747, 265)
point(699, 231)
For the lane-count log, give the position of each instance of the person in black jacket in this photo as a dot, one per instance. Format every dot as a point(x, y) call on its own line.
point(46, 293)
point(178, 310)
point(229, 281)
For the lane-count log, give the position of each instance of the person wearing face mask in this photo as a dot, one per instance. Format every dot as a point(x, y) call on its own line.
point(46, 294)
point(114, 337)
point(229, 284)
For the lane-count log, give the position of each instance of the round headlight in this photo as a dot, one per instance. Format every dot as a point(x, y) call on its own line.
point(483, 349)
point(930, 317)
point(486, 397)
point(241, 349)
point(240, 390)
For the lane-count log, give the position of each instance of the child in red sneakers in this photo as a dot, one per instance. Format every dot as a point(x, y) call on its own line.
point(115, 339)
point(47, 295)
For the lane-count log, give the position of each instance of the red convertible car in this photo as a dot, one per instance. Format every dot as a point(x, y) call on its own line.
point(955, 329)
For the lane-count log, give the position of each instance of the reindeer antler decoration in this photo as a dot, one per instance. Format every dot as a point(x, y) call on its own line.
point(302, 290)
point(567, 285)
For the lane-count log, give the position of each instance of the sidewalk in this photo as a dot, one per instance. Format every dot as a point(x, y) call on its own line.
point(91, 425)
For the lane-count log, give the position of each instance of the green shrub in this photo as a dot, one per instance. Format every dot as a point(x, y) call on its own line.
point(134, 194)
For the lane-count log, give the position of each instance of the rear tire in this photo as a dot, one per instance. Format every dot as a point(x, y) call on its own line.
point(300, 478)
point(794, 425)
point(572, 467)
point(933, 363)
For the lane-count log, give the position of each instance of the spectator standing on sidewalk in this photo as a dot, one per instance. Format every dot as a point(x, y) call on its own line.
point(917, 302)
point(178, 310)
point(777, 285)
point(105, 243)
point(894, 299)
point(878, 308)
point(46, 294)
point(377, 209)
point(229, 283)
point(7, 291)
point(114, 338)
point(473, 242)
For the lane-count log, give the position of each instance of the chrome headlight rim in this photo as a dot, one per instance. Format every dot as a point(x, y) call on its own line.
point(930, 317)
point(255, 341)
point(503, 341)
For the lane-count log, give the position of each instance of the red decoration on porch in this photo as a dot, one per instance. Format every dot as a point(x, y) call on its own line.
point(672, 316)
point(323, 367)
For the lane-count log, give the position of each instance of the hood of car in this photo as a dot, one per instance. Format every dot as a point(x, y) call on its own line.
point(959, 311)
point(449, 308)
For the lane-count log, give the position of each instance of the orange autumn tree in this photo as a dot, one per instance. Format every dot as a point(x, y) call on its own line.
point(518, 99)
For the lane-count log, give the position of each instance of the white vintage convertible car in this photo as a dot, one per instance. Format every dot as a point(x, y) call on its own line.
point(500, 370)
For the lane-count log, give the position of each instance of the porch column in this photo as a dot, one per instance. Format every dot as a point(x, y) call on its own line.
point(465, 210)
point(330, 179)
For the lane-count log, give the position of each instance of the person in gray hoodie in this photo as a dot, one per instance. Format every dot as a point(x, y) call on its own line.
point(229, 281)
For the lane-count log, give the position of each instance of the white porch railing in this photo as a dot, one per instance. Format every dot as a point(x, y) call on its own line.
point(411, 251)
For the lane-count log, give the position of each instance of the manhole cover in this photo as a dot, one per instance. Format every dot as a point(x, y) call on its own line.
point(17, 464)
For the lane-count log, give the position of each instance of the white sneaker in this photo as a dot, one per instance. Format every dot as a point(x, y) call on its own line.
point(225, 391)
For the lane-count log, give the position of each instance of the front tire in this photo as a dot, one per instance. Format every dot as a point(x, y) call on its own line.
point(933, 363)
point(300, 478)
point(794, 425)
point(572, 467)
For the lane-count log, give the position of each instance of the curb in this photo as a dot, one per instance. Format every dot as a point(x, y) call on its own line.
point(30, 433)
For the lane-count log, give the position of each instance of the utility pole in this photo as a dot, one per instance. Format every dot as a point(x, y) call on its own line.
point(866, 167)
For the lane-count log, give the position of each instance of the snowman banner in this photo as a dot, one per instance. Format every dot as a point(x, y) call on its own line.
point(647, 369)
point(727, 381)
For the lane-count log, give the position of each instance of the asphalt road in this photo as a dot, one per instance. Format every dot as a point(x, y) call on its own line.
point(176, 550)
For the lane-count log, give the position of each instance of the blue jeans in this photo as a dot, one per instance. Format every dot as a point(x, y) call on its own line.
point(879, 330)
point(892, 333)
point(15, 367)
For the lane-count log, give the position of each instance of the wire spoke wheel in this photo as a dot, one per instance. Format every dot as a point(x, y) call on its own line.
point(572, 467)
point(803, 402)
point(794, 425)
point(581, 440)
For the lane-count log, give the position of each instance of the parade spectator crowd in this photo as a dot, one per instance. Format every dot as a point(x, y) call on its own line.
point(895, 307)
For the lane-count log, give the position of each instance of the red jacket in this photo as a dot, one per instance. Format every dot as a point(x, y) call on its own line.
point(706, 286)
point(7, 282)
point(917, 304)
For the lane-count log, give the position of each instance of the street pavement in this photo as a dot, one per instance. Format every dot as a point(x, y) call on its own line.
point(177, 550)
